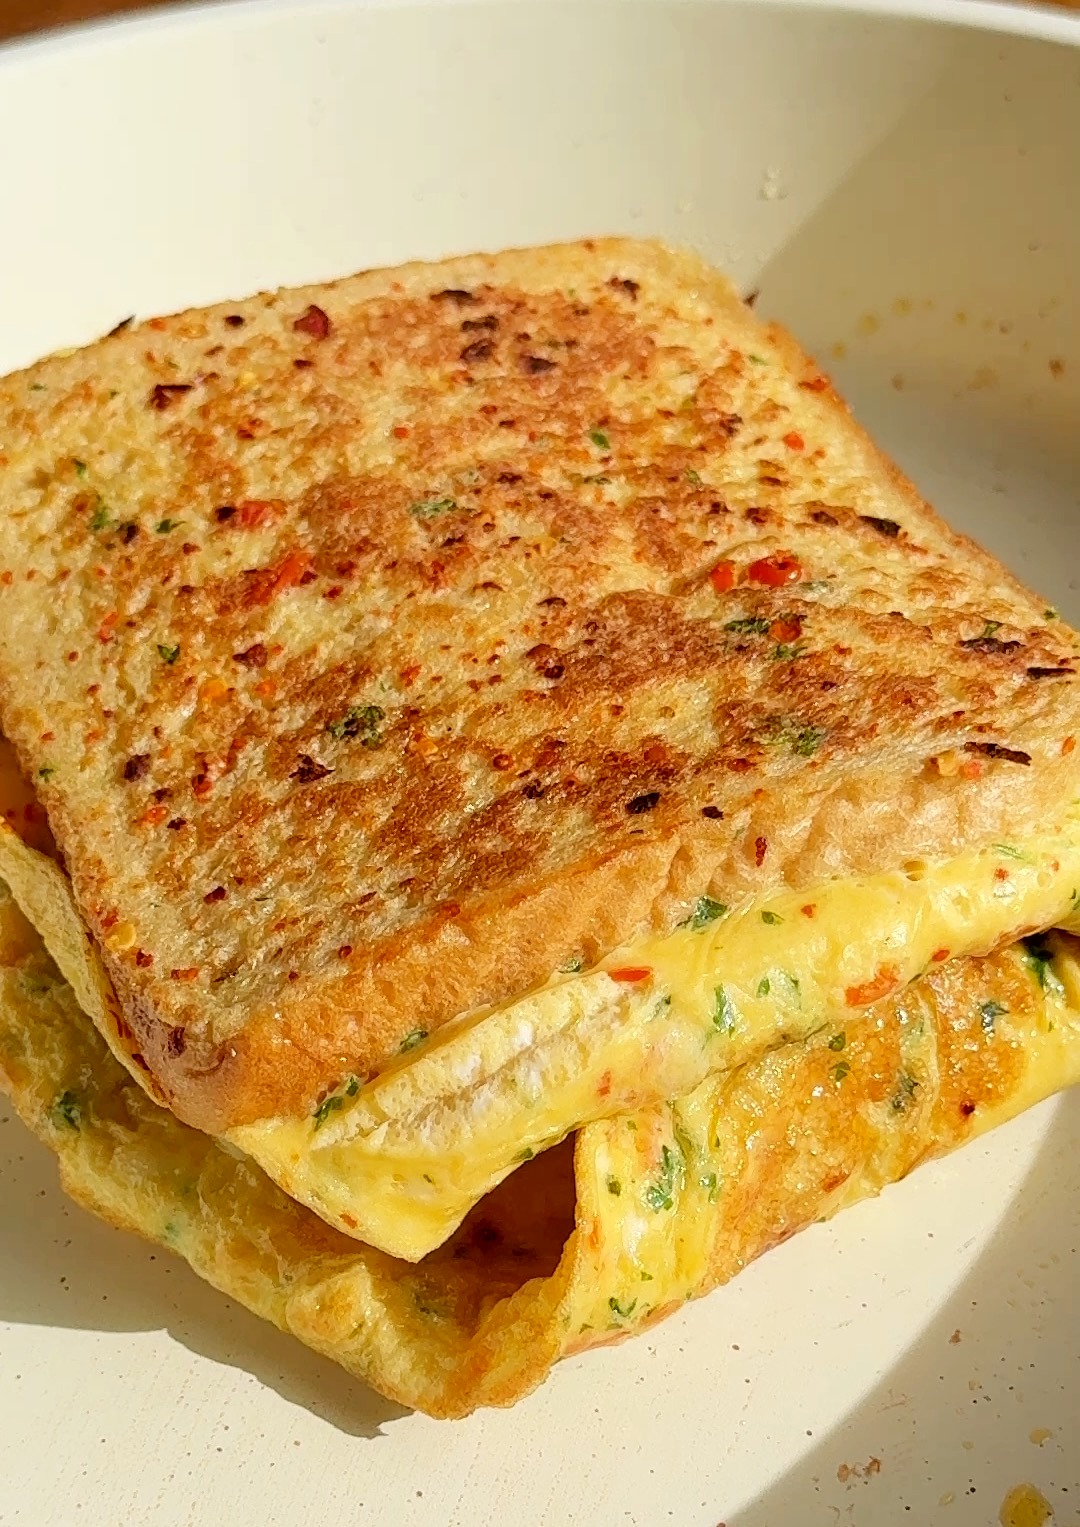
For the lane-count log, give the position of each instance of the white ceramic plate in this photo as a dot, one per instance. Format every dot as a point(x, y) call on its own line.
point(907, 195)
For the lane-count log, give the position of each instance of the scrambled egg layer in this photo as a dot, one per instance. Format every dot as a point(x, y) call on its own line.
point(587, 1245)
point(399, 1161)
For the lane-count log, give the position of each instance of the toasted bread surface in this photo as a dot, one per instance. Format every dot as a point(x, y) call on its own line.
point(378, 647)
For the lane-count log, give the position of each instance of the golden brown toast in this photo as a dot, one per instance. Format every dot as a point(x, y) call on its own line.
point(379, 647)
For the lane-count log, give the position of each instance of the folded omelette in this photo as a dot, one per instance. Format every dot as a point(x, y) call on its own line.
point(501, 721)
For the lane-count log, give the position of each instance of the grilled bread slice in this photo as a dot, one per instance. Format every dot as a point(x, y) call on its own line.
point(378, 648)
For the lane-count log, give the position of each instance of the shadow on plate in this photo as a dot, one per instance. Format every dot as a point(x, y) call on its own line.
point(59, 1266)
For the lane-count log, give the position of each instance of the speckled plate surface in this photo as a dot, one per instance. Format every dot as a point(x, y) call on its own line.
point(907, 195)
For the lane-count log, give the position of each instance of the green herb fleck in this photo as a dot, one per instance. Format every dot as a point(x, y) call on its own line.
point(786, 652)
point(66, 1112)
point(37, 386)
point(838, 1041)
point(764, 986)
point(428, 508)
point(80, 467)
point(168, 654)
point(840, 1070)
point(989, 1013)
point(573, 966)
point(600, 478)
point(808, 740)
point(623, 1311)
point(906, 1088)
point(164, 526)
point(46, 771)
point(411, 1040)
point(646, 1277)
point(100, 517)
point(990, 627)
point(1040, 963)
point(749, 625)
point(1051, 615)
point(662, 1005)
point(724, 1015)
point(758, 360)
point(694, 477)
point(614, 1186)
point(1011, 852)
point(525, 1155)
point(661, 1194)
point(772, 918)
point(711, 1185)
point(335, 1101)
point(600, 440)
point(706, 911)
point(359, 721)
point(428, 1306)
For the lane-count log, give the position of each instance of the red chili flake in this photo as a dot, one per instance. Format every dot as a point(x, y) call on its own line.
point(787, 629)
point(137, 765)
point(164, 394)
point(105, 630)
point(794, 441)
point(967, 1109)
point(217, 894)
point(810, 910)
point(400, 432)
point(1001, 873)
point(334, 592)
point(258, 511)
point(761, 848)
point(6, 578)
point(775, 571)
point(201, 786)
point(722, 577)
point(158, 324)
point(344, 951)
point(815, 384)
point(886, 981)
point(631, 973)
point(939, 956)
point(348, 1219)
point(603, 1086)
point(286, 574)
point(1068, 744)
point(252, 657)
point(143, 960)
point(309, 770)
point(294, 975)
point(153, 816)
point(189, 973)
point(48, 736)
point(502, 761)
point(313, 321)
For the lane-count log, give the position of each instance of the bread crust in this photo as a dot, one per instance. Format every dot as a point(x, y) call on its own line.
point(375, 655)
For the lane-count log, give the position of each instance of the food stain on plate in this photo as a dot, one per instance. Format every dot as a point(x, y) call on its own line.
point(1025, 1506)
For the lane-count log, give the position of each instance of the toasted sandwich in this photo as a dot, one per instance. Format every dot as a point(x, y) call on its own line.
point(484, 703)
